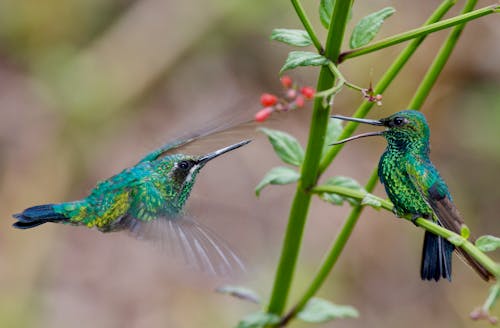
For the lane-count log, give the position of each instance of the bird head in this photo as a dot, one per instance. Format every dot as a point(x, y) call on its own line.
point(404, 130)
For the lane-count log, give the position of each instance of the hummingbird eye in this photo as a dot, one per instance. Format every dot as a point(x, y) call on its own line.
point(184, 165)
point(398, 121)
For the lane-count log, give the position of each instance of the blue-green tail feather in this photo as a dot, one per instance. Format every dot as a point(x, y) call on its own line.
point(37, 215)
point(436, 258)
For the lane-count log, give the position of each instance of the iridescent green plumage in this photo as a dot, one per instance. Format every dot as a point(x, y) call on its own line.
point(415, 187)
point(147, 199)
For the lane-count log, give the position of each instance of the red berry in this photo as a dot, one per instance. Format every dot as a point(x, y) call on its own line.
point(286, 81)
point(268, 99)
point(263, 114)
point(307, 92)
point(299, 101)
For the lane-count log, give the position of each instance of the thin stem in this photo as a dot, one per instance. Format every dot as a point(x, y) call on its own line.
point(307, 25)
point(309, 172)
point(398, 38)
point(384, 82)
point(438, 64)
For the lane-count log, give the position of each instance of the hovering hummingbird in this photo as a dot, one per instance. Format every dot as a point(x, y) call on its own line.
point(147, 200)
point(415, 188)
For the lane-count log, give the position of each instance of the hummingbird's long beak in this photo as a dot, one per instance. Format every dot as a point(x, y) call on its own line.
point(362, 135)
point(359, 120)
point(204, 159)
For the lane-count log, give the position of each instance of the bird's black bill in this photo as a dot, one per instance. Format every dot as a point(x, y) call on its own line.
point(359, 120)
point(362, 135)
point(221, 151)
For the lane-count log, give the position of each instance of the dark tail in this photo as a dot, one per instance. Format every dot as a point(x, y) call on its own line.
point(36, 215)
point(436, 258)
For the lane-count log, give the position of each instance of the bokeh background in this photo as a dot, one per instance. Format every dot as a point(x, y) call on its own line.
point(89, 86)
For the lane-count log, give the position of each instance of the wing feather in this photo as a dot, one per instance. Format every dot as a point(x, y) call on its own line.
point(447, 214)
point(184, 237)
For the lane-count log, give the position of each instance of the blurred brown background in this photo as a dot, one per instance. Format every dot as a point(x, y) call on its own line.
point(89, 86)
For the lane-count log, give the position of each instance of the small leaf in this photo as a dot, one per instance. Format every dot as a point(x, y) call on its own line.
point(325, 12)
point(303, 58)
point(488, 243)
point(342, 182)
point(240, 292)
point(258, 320)
point(368, 27)
point(456, 240)
point(464, 231)
point(285, 146)
point(298, 38)
point(318, 310)
point(277, 176)
point(333, 132)
point(372, 201)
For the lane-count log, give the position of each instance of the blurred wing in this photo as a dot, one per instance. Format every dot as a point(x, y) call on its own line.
point(229, 125)
point(181, 236)
point(437, 197)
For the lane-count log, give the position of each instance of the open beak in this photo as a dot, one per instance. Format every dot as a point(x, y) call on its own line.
point(204, 159)
point(359, 120)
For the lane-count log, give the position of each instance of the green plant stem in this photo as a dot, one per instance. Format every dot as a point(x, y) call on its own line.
point(309, 172)
point(472, 250)
point(492, 297)
point(341, 240)
point(307, 25)
point(336, 249)
point(438, 64)
point(384, 83)
point(398, 38)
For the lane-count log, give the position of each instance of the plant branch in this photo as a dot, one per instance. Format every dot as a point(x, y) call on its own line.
point(309, 172)
point(438, 64)
point(428, 225)
point(307, 25)
point(398, 38)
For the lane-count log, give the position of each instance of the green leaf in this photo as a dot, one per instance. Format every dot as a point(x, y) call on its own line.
point(368, 27)
point(345, 182)
point(372, 201)
point(303, 58)
point(298, 38)
point(240, 292)
point(258, 320)
point(285, 146)
point(277, 176)
point(464, 231)
point(333, 132)
point(326, 11)
point(318, 310)
point(488, 243)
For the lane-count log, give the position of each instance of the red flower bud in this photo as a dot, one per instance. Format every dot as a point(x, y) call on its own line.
point(286, 81)
point(291, 93)
point(299, 101)
point(268, 99)
point(263, 114)
point(307, 92)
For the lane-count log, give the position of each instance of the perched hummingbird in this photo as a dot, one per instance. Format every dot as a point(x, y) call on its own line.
point(415, 188)
point(147, 200)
